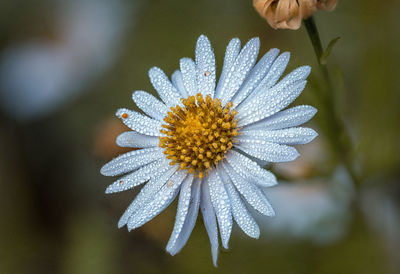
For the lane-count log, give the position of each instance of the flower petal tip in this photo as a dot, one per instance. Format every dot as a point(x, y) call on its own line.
point(170, 251)
point(108, 190)
point(122, 113)
point(225, 242)
point(296, 154)
point(274, 51)
point(286, 55)
point(255, 40)
point(202, 38)
point(274, 183)
point(135, 94)
point(314, 111)
point(119, 141)
point(121, 223)
point(154, 70)
point(313, 134)
point(235, 40)
point(307, 70)
point(105, 170)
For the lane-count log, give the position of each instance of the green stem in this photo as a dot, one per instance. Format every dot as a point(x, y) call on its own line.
point(337, 136)
point(312, 31)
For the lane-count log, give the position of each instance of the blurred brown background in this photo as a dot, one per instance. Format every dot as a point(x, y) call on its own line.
point(66, 66)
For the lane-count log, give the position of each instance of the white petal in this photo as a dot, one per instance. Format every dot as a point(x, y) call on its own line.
point(242, 216)
point(253, 195)
point(250, 170)
point(273, 75)
point(276, 71)
point(287, 136)
point(256, 75)
point(240, 69)
point(268, 105)
point(266, 91)
point(150, 105)
point(139, 122)
point(209, 220)
point(168, 93)
point(160, 201)
point(147, 192)
point(188, 69)
point(220, 201)
point(131, 161)
point(177, 81)
point(190, 219)
point(291, 117)
point(231, 53)
point(271, 98)
point(181, 212)
point(136, 140)
point(205, 63)
point(267, 151)
point(137, 177)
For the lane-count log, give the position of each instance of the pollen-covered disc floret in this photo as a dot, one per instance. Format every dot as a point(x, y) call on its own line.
point(197, 135)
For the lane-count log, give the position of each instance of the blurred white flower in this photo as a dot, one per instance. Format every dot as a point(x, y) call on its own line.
point(196, 140)
point(312, 157)
point(39, 75)
point(317, 209)
point(381, 208)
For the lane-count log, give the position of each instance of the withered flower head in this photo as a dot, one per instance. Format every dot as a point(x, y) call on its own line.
point(287, 14)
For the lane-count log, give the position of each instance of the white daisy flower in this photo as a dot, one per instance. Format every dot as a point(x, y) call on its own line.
point(204, 141)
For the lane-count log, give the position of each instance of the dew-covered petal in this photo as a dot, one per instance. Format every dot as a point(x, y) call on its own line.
point(139, 123)
point(266, 90)
point(240, 69)
point(291, 117)
point(137, 177)
point(177, 81)
point(267, 106)
point(287, 136)
point(276, 71)
point(160, 201)
point(147, 192)
point(250, 170)
point(231, 53)
point(220, 201)
point(241, 215)
point(136, 140)
point(270, 152)
point(168, 93)
point(183, 208)
point(205, 63)
point(209, 219)
point(270, 100)
point(250, 192)
point(188, 69)
point(255, 77)
point(150, 105)
point(190, 219)
point(131, 161)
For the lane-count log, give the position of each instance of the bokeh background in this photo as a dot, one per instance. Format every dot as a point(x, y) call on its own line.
point(66, 66)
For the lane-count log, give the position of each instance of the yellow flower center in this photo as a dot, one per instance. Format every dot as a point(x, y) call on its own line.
point(197, 135)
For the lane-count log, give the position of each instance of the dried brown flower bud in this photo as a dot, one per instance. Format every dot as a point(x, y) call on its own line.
point(287, 14)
